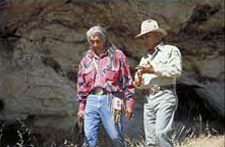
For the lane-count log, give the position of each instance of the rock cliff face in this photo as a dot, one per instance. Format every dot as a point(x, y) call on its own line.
point(42, 43)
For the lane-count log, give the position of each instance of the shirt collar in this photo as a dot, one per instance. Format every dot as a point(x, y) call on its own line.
point(92, 54)
point(160, 46)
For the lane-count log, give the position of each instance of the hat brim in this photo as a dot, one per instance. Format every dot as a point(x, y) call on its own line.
point(163, 33)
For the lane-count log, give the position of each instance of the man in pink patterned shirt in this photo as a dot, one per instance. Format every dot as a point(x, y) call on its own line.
point(104, 83)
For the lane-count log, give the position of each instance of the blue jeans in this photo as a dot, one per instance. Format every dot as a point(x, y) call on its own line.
point(96, 111)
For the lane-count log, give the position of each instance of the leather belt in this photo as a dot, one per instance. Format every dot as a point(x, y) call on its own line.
point(156, 88)
point(166, 87)
point(99, 91)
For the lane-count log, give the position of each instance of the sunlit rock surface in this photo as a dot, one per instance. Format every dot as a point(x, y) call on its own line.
point(42, 43)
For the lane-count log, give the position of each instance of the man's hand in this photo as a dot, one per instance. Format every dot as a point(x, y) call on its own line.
point(139, 68)
point(129, 114)
point(80, 120)
point(139, 80)
point(145, 69)
point(81, 111)
point(80, 114)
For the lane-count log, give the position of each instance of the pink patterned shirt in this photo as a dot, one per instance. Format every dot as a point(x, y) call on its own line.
point(100, 72)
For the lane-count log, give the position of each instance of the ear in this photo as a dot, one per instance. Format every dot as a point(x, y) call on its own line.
point(159, 36)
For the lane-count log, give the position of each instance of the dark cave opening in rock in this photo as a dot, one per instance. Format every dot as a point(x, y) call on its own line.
point(14, 133)
point(34, 30)
point(196, 111)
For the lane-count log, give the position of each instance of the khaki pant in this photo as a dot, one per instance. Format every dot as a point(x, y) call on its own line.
point(158, 117)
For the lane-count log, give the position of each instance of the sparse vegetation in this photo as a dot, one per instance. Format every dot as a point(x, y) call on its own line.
point(36, 36)
point(182, 137)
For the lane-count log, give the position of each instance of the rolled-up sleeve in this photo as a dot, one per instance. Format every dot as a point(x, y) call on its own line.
point(172, 68)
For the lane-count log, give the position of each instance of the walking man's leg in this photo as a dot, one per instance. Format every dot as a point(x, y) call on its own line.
point(113, 129)
point(164, 121)
point(149, 124)
point(91, 124)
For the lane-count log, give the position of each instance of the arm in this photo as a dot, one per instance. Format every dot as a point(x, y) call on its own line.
point(81, 90)
point(127, 83)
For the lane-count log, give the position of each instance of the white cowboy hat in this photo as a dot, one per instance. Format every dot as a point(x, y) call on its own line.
point(150, 25)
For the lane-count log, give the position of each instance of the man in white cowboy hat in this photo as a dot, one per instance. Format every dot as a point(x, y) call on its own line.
point(157, 73)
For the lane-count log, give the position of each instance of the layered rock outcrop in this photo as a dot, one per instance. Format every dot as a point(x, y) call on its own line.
point(42, 43)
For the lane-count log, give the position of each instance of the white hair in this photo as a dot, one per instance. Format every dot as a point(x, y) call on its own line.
point(96, 30)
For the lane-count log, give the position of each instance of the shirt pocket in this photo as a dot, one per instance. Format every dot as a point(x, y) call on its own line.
point(112, 75)
point(163, 58)
point(89, 75)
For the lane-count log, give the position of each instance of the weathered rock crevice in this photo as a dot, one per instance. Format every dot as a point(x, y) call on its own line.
point(42, 43)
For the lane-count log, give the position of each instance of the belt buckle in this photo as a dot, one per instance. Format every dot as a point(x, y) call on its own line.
point(99, 91)
point(155, 89)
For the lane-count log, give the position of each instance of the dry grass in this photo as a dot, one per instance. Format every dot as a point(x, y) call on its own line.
point(204, 141)
point(182, 137)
